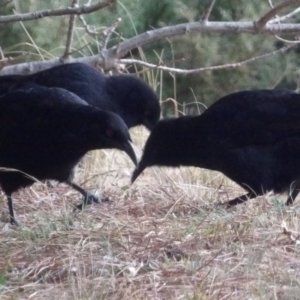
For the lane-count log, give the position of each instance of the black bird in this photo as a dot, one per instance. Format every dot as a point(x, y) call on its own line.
point(126, 95)
point(253, 137)
point(44, 132)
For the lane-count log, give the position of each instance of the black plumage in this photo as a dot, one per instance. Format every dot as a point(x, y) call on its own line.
point(253, 137)
point(126, 95)
point(44, 132)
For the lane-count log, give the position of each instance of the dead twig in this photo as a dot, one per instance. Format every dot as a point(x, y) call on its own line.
point(109, 31)
point(6, 61)
point(70, 35)
point(273, 12)
point(83, 9)
point(213, 68)
point(282, 18)
point(208, 11)
point(87, 27)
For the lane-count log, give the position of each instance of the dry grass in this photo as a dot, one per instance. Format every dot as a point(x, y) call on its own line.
point(159, 239)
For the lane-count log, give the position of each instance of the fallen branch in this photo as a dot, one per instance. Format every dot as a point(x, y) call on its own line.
point(205, 69)
point(107, 59)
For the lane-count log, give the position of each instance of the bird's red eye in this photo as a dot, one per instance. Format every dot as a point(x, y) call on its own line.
point(109, 133)
point(147, 113)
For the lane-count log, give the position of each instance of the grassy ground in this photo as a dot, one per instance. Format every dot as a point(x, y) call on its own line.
point(160, 238)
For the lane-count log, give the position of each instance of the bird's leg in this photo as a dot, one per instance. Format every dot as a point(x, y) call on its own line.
point(240, 199)
point(88, 197)
point(293, 192)
point(13, 220)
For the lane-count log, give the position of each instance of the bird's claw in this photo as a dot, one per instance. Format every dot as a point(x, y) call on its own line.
point(13, 221)
point(89, 199)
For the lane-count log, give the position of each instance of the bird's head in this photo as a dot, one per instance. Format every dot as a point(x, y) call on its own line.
point(108, 131)
point(162, 147)
point(139, 102)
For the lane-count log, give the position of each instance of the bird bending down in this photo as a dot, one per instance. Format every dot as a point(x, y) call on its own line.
point(253, 137)
point(126, 95)
point(44, 132)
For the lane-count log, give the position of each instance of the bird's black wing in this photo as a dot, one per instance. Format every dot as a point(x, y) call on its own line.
point(255, 117)
point(78, 78)
point(33, 109)
point(9, 81)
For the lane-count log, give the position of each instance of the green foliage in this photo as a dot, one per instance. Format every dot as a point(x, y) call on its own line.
point(45, 38)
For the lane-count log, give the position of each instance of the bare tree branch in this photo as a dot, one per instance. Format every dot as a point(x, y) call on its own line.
point(204, 69)
point(198, 27)
point(84, 9)
point(107, 58)
point(282, 18)
point(208, 12)
point(287, 41)
point(109, 31)
point(2, 56)
point(5, 61)
point(87, 27)
point(67, 53)
point(273, 12)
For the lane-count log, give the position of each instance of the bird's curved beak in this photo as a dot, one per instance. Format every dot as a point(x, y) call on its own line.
point(138, 170)
point(128, 148)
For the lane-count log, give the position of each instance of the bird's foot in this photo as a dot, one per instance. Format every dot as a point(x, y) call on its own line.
point(14, 221)
point(89, 199)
